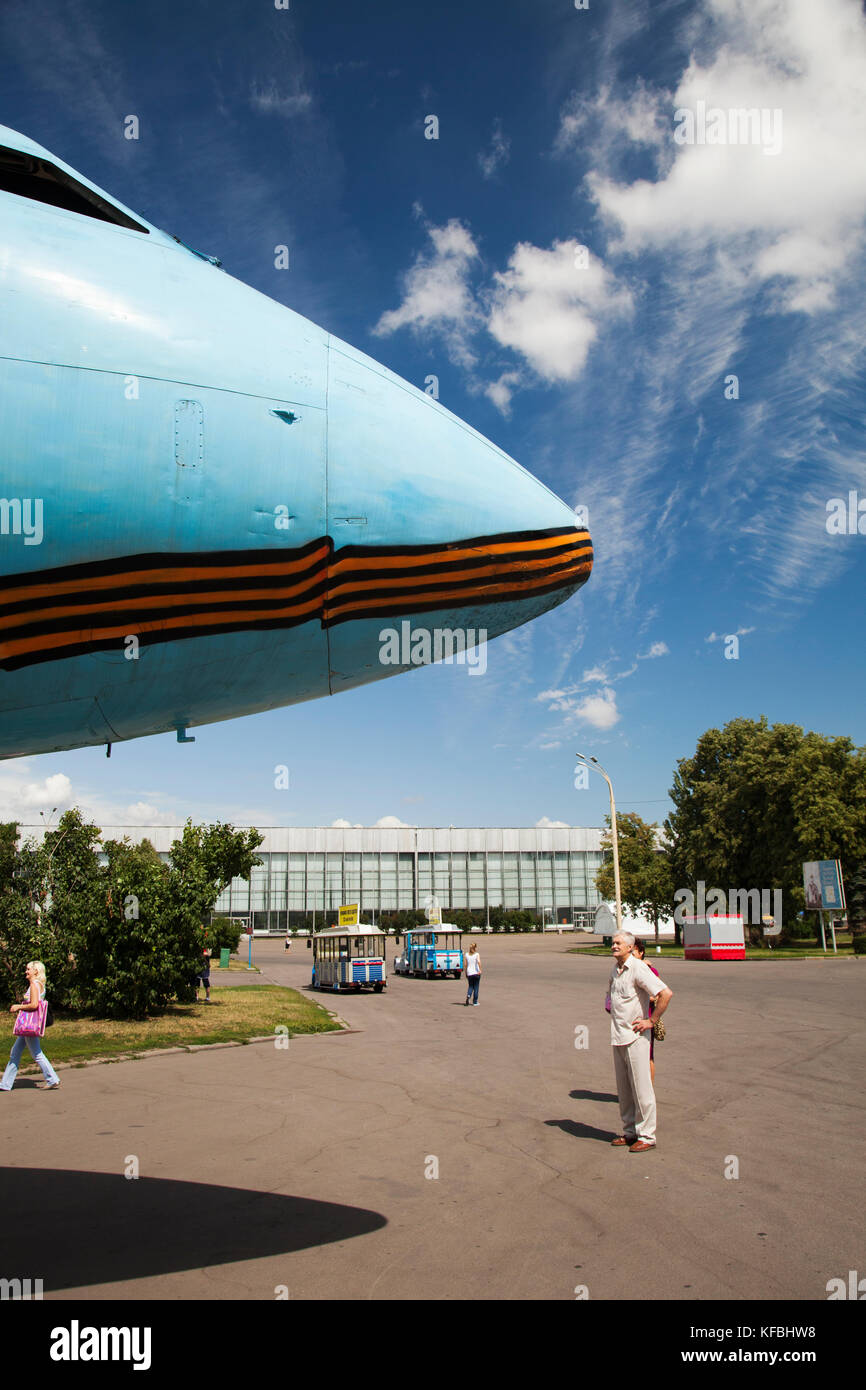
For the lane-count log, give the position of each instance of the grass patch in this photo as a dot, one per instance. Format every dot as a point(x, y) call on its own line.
point(235, 965)
point(237, 1013)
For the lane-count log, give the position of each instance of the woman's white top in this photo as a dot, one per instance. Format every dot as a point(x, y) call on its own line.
point(473, 964)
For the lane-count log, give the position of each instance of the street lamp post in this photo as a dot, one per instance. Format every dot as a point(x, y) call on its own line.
point(593, 762)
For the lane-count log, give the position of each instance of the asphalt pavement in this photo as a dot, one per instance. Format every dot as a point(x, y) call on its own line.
point(438, 1151)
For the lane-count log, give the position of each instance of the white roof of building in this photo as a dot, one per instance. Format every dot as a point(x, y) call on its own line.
point(381, 839)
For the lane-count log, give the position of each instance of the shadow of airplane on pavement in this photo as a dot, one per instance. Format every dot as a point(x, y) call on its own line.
point(81, 1228)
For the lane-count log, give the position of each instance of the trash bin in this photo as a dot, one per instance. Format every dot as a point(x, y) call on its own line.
point(224, 957)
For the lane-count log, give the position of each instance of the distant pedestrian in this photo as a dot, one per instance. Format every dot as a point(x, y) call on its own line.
point(203, 977)
point(640, 952)
point(632, 985)
point(30, 1003)
point(288, 941)
point(473, 974)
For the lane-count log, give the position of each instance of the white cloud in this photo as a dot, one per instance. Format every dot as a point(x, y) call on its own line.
point(546, 824)
point(656, 649)
point(436, 293)
point(392, 823)
point(143, 813)
point(345, 825)
point(24, 800)
point(547, 306)
point(498, 154)
point(599, 710)
point(795, 216)
point(642, 118)
point(501, 391)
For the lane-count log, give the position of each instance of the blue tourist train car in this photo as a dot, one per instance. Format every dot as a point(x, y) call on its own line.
point(431, 951)
point(349, 958)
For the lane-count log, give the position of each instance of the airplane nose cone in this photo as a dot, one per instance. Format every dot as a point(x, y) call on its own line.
point(430, 520)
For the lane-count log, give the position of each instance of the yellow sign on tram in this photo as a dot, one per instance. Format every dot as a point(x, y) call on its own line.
point(349, 915)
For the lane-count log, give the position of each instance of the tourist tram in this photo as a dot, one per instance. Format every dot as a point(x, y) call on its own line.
point(432, 952)
point(349, 958)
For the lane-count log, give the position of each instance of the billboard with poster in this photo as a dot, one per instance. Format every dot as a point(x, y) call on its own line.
point(822, 886)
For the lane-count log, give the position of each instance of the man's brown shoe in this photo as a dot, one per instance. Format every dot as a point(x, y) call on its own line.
point(640, 1147)
point(621, 1141)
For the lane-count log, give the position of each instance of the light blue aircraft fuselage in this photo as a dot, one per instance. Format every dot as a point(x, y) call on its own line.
point(208, 505)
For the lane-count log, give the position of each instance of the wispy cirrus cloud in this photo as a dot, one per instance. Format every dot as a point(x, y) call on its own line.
point(592, 699)
point(498, 153)
point(272, 99)
point(723, 636)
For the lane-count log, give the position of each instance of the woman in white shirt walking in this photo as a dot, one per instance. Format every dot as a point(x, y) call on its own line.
point(32, 999)
point(473, 974)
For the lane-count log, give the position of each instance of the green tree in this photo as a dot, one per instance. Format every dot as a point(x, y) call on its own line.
point(756, 801)
point(213, 855)
point(144, 941)
point(119, 938)
point(55, 894)
point(855, 896)
point(646, 885)
point(22, 935)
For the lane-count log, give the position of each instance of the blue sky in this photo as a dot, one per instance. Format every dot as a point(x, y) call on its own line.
point(605, 372)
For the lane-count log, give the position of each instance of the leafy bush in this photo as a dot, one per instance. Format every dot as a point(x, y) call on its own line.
point(799, 929)
point(223, 934)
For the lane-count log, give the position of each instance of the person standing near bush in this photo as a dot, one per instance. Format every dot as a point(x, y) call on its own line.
point(32, 999)
point(473, 974)
point(203, 976)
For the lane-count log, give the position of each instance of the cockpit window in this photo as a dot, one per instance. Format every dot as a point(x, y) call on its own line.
point(32, 177)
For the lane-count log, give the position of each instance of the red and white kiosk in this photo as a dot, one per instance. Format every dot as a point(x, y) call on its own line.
point(714, 938)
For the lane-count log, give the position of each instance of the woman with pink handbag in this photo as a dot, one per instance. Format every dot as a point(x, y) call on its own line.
point(29, 1027)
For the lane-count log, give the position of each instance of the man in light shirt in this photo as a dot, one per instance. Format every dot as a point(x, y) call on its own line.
point(632, 985)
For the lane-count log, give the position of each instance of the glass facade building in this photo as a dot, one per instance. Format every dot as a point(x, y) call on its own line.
point(312, 872)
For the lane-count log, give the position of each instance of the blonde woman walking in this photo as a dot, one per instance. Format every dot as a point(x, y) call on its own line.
point(31, 1001)
point(473, 974)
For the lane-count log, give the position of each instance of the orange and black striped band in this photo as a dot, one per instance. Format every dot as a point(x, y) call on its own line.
point(75, 609)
